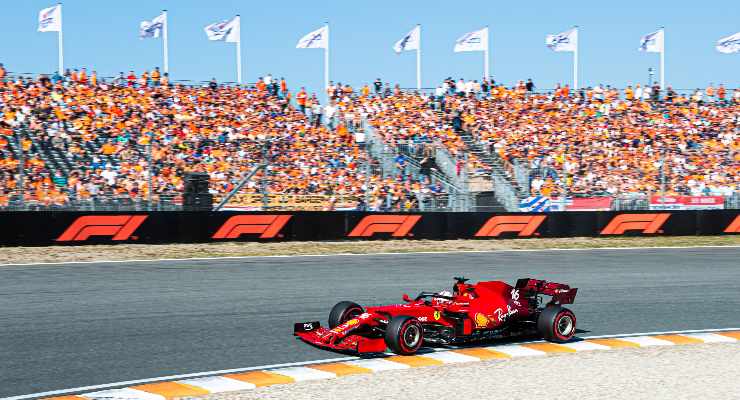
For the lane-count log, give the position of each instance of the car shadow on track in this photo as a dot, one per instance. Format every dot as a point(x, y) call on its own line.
point(431, 348)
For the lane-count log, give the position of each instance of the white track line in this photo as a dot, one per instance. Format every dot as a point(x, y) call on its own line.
point(365, 254)
point(353, 360)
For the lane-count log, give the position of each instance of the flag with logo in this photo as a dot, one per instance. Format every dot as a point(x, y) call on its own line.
point(224, 31)
point(317, 39)
point(50, 19)
point(535, 204)
point(729, 45)
point(472, 41)
point(408, 42)
point(652, 42)
point(565, 41)
point(153, 28)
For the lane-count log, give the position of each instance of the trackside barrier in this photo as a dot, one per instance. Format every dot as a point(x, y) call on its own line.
point(75, 228)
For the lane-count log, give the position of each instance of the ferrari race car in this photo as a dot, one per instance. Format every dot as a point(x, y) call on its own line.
point(471, 312)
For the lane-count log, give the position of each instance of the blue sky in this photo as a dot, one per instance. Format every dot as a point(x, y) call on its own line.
point(102, 35)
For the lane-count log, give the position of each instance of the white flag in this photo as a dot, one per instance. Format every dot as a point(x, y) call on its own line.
point(225, 31)
point(652, 42)
point(409, 42)
point(50, 19)
point(472, 41)
point(153, 28)
point(314, 40)
point(565, 41)
point(729, 45)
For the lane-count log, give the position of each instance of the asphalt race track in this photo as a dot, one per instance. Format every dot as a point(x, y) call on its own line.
point(64, 326)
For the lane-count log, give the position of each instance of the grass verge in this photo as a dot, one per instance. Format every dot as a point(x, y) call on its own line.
point(12, 255)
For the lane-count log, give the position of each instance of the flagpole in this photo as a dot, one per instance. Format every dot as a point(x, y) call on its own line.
point(239, 51)
point(61, 42)
point(418, 60)
point(575, 62)
point(165, 45)
point(326, 63)
point(662, 59)
point(485, 56)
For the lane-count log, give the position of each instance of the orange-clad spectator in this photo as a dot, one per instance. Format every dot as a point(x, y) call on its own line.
point(94, 78)
point(721, 92)
point(3, 73)
point(108, 149)
point(26, 143)
point(629, 94)
point(144, 79)
point(82, 77)
point(261, 85)
point(283, 86)
point(155, 76)
point(301, 99)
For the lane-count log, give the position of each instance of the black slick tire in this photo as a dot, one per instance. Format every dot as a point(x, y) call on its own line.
point(343, 312)
point(404, 335)
point(556, 324)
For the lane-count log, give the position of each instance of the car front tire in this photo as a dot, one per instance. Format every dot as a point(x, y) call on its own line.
point(343, 312)
point(404, 335)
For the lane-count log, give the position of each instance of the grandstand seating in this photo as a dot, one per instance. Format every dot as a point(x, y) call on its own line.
point(608, 144)
point(85, 140)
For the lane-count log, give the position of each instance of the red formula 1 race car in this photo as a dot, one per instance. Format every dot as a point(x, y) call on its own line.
point(471, 312)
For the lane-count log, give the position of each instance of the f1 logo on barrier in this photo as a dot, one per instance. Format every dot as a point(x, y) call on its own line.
point(734, 226)
point(120, 227)
point(396, 225)
point(523, 225)
point(647, 223)
point(268, 226)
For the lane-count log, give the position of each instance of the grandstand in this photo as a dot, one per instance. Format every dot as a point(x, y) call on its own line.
point(92, 143)
point(127, 143)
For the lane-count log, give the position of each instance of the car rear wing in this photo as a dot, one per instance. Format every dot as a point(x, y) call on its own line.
point(560, 292)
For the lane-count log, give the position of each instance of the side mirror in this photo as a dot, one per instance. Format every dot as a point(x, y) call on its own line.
point(406, 298)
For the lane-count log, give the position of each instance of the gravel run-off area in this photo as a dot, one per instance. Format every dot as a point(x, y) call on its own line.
point(692, 372)
point(55, 254)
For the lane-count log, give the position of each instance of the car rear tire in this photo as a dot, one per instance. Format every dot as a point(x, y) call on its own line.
point(556, 324)
point(343, 312)
point(404, 335)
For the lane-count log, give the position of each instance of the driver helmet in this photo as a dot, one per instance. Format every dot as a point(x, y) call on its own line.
point(441, 300)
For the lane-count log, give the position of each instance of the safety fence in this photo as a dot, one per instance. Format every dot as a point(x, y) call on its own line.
point(70, 228)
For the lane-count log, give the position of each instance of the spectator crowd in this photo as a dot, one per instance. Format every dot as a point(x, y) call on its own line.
point(83, 137)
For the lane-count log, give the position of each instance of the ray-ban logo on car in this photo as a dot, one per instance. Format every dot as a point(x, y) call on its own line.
point(522, 225)
point(396, 225)
point(119, 227)
point(647, 223)
point(268, 226)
